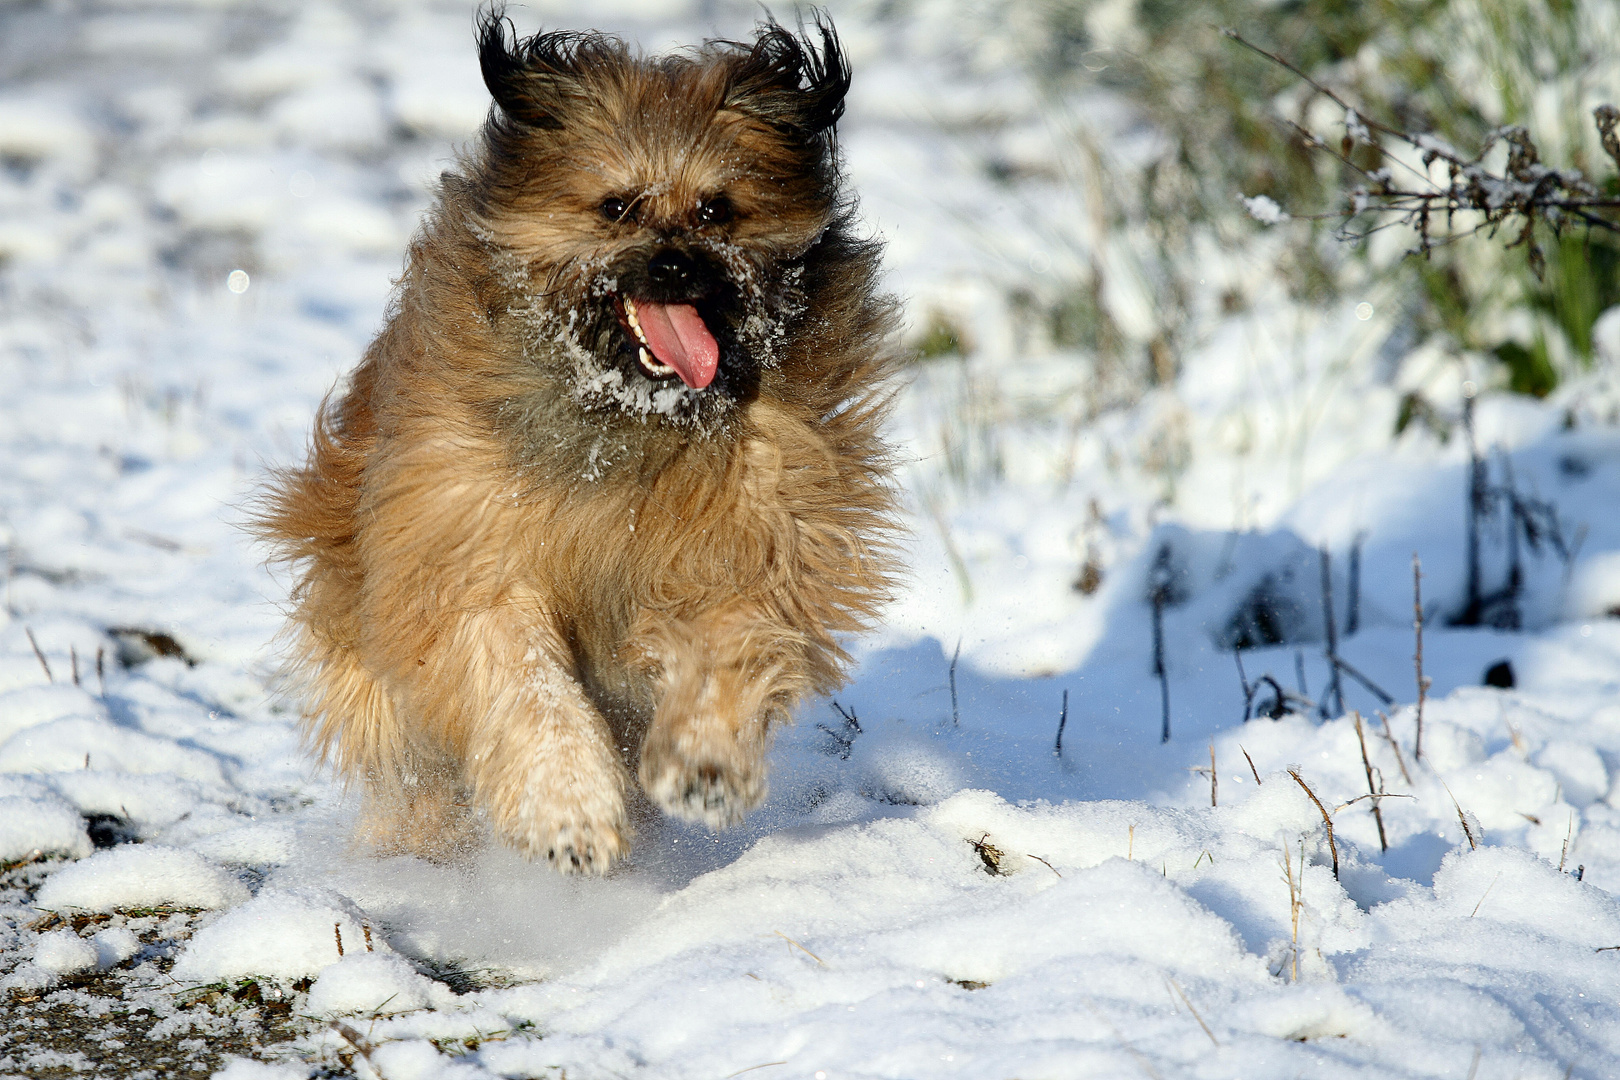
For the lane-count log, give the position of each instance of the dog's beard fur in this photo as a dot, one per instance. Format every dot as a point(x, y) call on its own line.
point(569, 321)
point(544, 540)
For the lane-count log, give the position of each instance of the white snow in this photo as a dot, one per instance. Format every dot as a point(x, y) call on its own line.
point(937, 893)
point(43, 824)
point(248, 1069)
point(114, 945)
point(62, 952)
point(373, 984)
point(281, 933)
point(141, 876)
point(1264, 209)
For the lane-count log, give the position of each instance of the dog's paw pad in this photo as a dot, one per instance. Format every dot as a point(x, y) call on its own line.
point(711, 794)
point(578, 848)
point(571, 860)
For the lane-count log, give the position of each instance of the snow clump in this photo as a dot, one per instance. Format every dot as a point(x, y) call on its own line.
point(47, 825)
point(1265, 210)
point(374, 984)
point(283, 933)
point(141, 876)
point(62, 952)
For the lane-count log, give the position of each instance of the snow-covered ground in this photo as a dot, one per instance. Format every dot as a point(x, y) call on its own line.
point(201, 206)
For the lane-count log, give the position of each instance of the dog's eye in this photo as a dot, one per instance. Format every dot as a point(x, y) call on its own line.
point(715, 211)
point(614, 209)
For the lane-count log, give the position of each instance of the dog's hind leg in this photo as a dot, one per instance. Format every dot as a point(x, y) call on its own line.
point(414, 802)
point(424, 811)
point(724, 678)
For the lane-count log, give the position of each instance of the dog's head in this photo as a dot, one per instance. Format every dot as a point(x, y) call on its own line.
point(655, 212)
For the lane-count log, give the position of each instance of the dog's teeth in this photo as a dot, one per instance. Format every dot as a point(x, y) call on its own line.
point(653, 366)
point(635, 323)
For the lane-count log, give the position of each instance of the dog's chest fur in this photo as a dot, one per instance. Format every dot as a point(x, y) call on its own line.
point(602, 547)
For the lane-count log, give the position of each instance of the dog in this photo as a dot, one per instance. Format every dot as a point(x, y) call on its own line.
point(608, 492)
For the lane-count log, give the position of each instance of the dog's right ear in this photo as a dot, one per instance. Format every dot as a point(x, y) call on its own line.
point(531, 79)
point(792, 81)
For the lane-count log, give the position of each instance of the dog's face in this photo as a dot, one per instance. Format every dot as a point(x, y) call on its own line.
point(653, 213)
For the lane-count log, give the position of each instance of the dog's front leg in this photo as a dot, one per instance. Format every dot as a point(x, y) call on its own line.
point(722, 680)
point(539, 757)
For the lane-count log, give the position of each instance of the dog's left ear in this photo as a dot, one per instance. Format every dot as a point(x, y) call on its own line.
point(786, 81)
point(532, 79)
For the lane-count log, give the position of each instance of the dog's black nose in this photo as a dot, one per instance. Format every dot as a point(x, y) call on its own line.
point(671, 269)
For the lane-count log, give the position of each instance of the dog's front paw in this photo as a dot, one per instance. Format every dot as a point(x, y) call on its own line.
point(586, 849)
point(573, 838)
point(716, 793)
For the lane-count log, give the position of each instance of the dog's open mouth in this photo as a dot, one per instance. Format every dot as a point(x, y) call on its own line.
point(673, 340)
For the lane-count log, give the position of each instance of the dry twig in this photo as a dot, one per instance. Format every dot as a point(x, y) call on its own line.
point(1185, 1000)
point(1044, 863)
point(1333, 697)
point(1484, 894)
point(1252, 769)
point(1462, 818)
point(1159, 596)
point(1296, 899)
point(1372, 791)
point(1417, 655)
point(956, 715)
point(39, 654)
point(801, 948)
point(1063, 719)
point(1525, 193)
point(1389, 737)
point(1327, 820)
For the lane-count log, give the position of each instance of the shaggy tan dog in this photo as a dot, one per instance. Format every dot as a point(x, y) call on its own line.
point(608, 487)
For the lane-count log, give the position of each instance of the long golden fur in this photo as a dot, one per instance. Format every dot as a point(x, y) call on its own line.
point(528, 564)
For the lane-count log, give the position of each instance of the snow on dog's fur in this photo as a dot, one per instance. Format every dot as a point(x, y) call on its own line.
point(608, 487)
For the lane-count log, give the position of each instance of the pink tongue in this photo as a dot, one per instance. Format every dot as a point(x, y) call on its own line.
point(676, 335)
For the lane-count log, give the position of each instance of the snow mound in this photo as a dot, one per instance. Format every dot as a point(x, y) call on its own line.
point(282, 934)
point(62, 952)
point(141, 876)
point(248, 1069)
point(374, 984)
point(418, 1059)
point(48, 826)
point(37, 128)
point(68, 743)
point(256, 844)
point(33, 705)
point(114, 945)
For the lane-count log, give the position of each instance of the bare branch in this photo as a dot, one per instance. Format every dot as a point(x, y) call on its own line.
point(1525, 194)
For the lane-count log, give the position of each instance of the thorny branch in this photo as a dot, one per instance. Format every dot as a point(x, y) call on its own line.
point(1524, 193)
